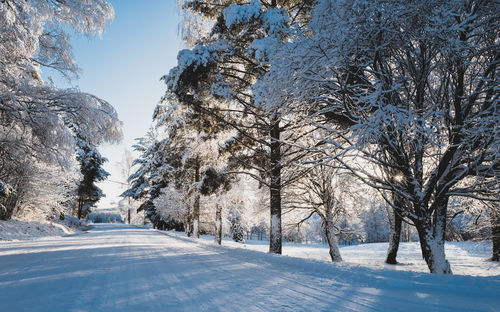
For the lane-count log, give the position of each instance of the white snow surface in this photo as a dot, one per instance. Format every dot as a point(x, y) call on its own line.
point(116, 267)
point(466, 258)
point(14, 229)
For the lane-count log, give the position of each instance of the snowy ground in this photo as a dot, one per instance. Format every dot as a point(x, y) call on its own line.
point(21, 230)
point(466, 258)
point(117, 267)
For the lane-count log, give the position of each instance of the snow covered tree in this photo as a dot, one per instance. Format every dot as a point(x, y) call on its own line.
point(216, 183)
point(38, 121)
point(327, 192)
point(91, 162)
point(475, 220)
point(126, 171)
point(171, 208)
point(195, 140)
point(146, 180)
point(171, 165)
point(236, 227)
point(6, 198)
point(417, 82)
point(218, 78)
point(375, 222)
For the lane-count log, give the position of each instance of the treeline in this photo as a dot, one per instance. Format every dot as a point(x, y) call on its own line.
point(328, 106)
point(48, 136)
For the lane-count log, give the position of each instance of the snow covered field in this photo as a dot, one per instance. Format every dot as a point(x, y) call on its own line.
point(117, 267)
point(466, 258)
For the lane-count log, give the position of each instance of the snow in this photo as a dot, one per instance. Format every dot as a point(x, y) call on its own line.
point(116, 267)
point(234, 13)
point(200, 56)
point(275, 20)
point(21, 230)
point(262, 48)
point(466, 258)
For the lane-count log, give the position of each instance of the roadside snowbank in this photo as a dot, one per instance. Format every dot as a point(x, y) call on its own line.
point(15, 229)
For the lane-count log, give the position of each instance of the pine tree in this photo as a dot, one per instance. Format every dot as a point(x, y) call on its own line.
point(91, 163)
point(236, 228)
point(219, 78)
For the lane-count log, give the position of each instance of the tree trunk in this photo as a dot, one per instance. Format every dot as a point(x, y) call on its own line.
point(128, 210)
point(395, 235)
point(189, 222)
point(433, 253)
point(275, 191)
point(80, 208)
point(218, 223)
point(196, 205)
point(332, 242)
point(495, 232)
point(432, 240)
point(196, 217)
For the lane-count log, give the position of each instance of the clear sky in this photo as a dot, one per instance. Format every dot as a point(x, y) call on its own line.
point(124, 67)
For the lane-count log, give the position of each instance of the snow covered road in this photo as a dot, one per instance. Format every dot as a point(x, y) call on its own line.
point(125, 268)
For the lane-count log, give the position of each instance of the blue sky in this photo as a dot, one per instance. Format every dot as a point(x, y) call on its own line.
point(124, 67)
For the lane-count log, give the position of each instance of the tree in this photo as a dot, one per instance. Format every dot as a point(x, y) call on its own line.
point(38, 121)
point(417, 81)
point(170, 206)
point(127, 161)
point(91, 163)
point(236, 227)
point(146, 180)
point(194, 140)
point(172, 164)
point(213, 182)
point(218, 78)
point(494, 211)
point(327, 192)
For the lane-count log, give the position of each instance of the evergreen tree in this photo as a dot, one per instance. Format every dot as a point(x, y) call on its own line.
point(236, 229)
point(91, 162)
point(219, 78)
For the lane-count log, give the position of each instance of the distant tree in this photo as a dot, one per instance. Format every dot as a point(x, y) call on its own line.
point(327, 192)
point(127, 161)
point(91, 163)
point(6, 207)
point(194, 140)
point(218, 183)
point(146, 180)
point(375, 223)
point(236, 229)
